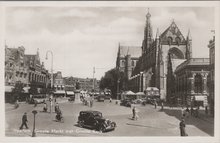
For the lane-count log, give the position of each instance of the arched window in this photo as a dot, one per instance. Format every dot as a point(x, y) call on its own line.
point(122, 63)
point(178, 40)
point(132, 63)
point(198, 83)
point(175, 53)
point(170, 39)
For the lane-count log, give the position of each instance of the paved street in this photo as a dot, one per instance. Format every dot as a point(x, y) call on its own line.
point(151, 122)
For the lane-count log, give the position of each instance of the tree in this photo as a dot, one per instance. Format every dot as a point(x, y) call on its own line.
point(110, 81)
point(18, 89)
point(78, 85)
point(33, 88)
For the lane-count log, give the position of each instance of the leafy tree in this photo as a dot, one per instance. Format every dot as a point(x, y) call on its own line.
point(18, 89)
point(33, 88)
point(110, 81)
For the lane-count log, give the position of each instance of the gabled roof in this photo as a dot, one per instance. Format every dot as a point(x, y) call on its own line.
point(134, 51)
point(173, 32)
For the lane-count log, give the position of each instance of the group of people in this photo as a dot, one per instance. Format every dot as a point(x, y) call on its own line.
point(193, 112)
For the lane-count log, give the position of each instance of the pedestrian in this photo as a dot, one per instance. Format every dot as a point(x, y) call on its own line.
point(134, 114)
point(162, 105)
point(206, 110)
point(192, 111)
point(110, 100)
point(187, 112)
point(91, 103)
point(56, 108)
point(24, 121)
point(182, 112)
point(182, 125)
point(35, 103)
point(45, 107)
point(155, 104)
point(197, 112)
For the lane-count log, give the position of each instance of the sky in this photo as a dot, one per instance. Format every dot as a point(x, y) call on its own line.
point(85, 37)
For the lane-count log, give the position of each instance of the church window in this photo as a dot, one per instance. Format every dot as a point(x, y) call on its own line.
point(170, 39)
point(178, 40)
point(198, 83)
point(132, 63)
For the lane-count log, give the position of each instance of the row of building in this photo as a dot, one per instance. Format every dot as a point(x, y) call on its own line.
point(28, 70)
point(166, 62)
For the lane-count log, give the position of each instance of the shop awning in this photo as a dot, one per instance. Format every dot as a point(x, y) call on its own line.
point(26, 89)
point(200, 98)
point(59, 92)
point(69, 92)
point(9, 88)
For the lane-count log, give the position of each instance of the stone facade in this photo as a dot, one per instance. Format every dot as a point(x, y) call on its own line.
point(211, 77)
point(152, 67)
point(15, 66)
point(127, 58)
point(37, 74)
point(191, 86)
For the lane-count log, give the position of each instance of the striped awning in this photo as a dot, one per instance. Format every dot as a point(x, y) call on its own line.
point(69, 92)
point(9, 88)
point(59, 92)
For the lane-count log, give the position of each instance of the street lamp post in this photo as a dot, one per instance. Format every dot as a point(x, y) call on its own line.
point(51, 65)
point(34, 133)
point(51, 104)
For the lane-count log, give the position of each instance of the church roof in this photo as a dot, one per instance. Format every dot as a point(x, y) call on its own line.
point(193, 62)
point(172, 32)
point(134, 51)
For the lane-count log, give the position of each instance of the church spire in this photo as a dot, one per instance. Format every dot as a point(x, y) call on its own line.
point(189, 37)
point(148, 32)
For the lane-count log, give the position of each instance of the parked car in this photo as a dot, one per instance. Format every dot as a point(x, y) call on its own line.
point(41, 98)
point(94, 120)
point(71, 98)
point(126, 103)
point(101, 98)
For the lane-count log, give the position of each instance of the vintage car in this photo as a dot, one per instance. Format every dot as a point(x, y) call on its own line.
point(38, 99)
point(101, 98)
point(94, 120)
point(126, 103)
point(71, 98)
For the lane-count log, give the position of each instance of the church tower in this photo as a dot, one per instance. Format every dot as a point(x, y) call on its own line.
point(148, 32)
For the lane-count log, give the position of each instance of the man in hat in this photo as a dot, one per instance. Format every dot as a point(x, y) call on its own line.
point(24, 121)
point(182, 125)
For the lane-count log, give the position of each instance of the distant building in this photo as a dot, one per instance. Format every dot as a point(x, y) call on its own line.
point(59, 84)
point(191, 85)
point(84, 83)
point(211, 78)
point(127, 58)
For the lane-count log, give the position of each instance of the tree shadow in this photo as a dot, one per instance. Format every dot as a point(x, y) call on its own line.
point(191, 120)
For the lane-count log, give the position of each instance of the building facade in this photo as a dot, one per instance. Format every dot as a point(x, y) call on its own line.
point(211, 77)
point(37, 74)
point(127, 58)
point(15, 68)
point(152, 67)
point(59, 84)
point(191, 85)
point(25, 69)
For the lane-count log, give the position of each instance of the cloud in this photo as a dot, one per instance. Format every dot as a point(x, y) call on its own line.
point(81, 38)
